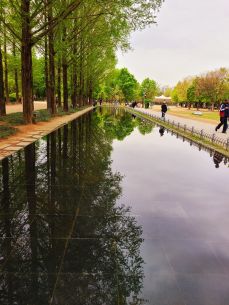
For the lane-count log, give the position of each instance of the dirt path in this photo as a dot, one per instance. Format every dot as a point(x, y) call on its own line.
point(18, 107)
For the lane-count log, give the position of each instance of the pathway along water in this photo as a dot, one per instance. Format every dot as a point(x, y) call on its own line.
point(109, 210)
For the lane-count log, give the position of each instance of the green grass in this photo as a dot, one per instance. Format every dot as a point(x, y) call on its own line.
point(6, 131)
point(209, 115)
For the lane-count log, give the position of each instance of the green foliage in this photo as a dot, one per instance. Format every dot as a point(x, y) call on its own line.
point(180, 91)
point(6, 131)
point(128, 84)
point(148, 89)
point(39, 87)
point(117, 126)
point(121, 85)
point(84, 35)
point(168, 91)
point(13, 97)
point(191, 94)
point(13, 119)
point(43, 115)
point(174, 96)
point(144, 126)
point(209, 88)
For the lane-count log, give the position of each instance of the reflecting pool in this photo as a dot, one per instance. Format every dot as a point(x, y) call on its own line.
point(111, 209)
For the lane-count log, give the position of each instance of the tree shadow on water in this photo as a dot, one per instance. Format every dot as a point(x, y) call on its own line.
point(64, 239)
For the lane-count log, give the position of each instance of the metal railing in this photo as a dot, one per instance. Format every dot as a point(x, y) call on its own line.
point(201, 134)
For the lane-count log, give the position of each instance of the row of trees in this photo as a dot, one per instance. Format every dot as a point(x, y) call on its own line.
point(74, 40)
point(207, 90)
point(122, 86)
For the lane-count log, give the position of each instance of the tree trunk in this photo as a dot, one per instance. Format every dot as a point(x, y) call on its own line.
point(74, 86)
point(2, 99)
point(81, 78)
point(6, 69)
point(90, 92)
point(47, 75)
point(65, 84)
point(51, 63)
point(59, 82)
point(74, 70)
point(26, 63)
point(16, 75)
point(65, 75)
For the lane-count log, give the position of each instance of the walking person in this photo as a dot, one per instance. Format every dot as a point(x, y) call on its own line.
point(163, 109)
point(223, 113)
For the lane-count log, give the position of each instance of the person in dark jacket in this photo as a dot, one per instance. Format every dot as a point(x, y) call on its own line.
point(163, 109)
point(224, 114)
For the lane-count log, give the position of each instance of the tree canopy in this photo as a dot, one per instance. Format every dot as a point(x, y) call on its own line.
point(207, 89)
point(72, 42)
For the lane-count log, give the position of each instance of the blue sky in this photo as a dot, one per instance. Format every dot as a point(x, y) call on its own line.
point(190, 38)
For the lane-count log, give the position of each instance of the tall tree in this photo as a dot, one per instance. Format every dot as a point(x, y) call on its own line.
point(148, 89)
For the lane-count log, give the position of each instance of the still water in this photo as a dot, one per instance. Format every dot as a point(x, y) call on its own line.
point(112, 210)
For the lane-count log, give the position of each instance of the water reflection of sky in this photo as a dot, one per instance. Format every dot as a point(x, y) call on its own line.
point(68, 236)
point(181, 200)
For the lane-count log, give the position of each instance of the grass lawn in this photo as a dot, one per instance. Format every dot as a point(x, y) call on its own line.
point(209, 115)
point(186, 113)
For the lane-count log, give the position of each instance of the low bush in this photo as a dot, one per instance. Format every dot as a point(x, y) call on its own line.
point(13, 118)
point(6, 131)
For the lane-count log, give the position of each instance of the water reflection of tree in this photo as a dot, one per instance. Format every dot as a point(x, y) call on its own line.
point(144, 126)
point(63, 237)
point(118, 124)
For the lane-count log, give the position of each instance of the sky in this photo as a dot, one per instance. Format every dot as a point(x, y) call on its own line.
point(190, 38)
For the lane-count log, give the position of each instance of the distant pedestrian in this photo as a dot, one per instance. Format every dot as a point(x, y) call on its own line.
point(163, 109)
point(100, 102)
point(224, 114)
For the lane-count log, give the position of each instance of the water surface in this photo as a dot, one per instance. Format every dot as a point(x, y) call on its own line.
point(114, 210)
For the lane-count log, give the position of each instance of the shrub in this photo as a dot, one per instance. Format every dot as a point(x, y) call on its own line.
point(13, 97)
point(6, 131)
point(13, 118)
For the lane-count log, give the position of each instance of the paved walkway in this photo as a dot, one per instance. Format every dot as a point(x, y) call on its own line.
point(207, 127)
point(28, 134)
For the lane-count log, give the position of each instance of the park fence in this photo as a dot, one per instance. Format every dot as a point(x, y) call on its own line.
point(201, 134)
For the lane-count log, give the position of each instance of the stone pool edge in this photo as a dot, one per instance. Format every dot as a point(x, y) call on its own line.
point(16, 142)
